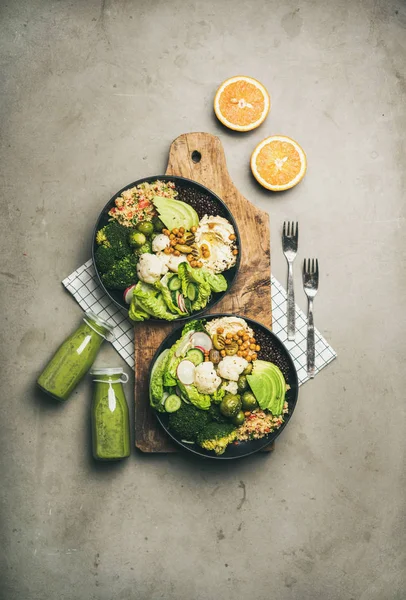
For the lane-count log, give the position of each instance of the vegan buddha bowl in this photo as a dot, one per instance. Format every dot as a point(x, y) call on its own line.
point(223, 386)
point(166, 248)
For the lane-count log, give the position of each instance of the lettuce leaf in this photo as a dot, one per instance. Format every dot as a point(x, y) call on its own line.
point(156, 386)
point(218, 395)
point(136, 313)
point(187, 275)
point(194, 325)
point(151, 301)
point(202, 401)
point(216, 281)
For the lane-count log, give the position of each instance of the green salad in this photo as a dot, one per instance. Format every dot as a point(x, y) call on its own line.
point(216, 385)
point(167, 262)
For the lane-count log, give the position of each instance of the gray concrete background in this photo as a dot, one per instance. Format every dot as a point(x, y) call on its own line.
point(93, 94)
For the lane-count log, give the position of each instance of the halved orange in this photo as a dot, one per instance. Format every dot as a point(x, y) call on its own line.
point(241, 103)
point(278, 163)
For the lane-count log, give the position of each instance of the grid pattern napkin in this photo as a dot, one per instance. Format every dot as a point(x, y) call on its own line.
point(84, 286)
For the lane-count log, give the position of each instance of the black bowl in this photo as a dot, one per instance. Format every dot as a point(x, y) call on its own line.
point(273, 350)
point(204, 201)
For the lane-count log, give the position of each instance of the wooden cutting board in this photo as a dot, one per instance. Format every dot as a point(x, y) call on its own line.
point(200, 156)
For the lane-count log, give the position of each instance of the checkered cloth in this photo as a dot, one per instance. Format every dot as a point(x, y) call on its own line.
point(84, 287)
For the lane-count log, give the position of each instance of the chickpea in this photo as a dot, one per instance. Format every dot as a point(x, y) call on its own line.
point(211, 225)
point(229, 336)
point(166, 231)
point(173, 242)
point(199, 264)
point(181, 240)
point(239, 353)
point(228, 342)
point(222, 352)
point(257, 348)
point(220, 329)
point(176, 253)
point(166, 251)
point(244, 353)
point(232, 237)
point(245, 337)
point(241, 333)
point(193, 229)
point(171, 236)
point(175, 231)
point(249, 359)
point(189, 257)
point(193, 263)
point(206, 255)
point(252, 341)
point(181, 230)
point(170, 250)
point(254, 356)
point(204, 247)
point(252, 346)
point(235, 252)
point(239, 342)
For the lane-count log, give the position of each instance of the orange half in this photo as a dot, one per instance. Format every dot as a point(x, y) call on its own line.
point(278, 163)
point(242, 103)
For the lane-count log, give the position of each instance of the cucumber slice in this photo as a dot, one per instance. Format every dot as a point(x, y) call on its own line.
point(191, 292)
point(195, 356)
point(172, 403)
point(174, 283)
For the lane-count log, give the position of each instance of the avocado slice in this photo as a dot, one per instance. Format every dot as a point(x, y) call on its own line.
point(268, 386)
point(175, 213)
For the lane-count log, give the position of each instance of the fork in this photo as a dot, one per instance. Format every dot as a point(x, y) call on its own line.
point(310, 285)
point(290, 236)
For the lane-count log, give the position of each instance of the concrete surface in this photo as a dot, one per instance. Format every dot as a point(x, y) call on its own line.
point(93, 94)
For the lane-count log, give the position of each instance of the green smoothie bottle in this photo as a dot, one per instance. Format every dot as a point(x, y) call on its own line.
point(74, 357)
point(110, 418)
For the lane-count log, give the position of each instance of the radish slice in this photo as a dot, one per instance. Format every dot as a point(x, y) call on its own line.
point(202, 340)
point(200, 348)
point(128, 294)
point(181, 303)
point(186, 372)
point(185, 345)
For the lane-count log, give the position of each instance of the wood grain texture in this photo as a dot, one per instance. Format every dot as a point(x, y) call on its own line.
point(251, 293)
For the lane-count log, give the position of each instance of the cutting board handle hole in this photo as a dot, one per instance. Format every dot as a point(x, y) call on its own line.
point(196, 156)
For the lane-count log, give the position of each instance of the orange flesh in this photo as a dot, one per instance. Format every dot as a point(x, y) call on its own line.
point(267, 163)
point(241, 90)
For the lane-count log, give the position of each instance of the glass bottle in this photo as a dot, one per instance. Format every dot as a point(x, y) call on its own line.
point(110, 417)
point(74, 357)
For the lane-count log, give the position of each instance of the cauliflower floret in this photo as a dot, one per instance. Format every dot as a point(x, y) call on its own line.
point(160, 242)
point(150, 268)
point(231, 387)
point(174, 262)
point(231, 367)
point(206, 378)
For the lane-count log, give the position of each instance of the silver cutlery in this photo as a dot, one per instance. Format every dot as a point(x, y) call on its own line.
point(290, 236)
point(310, 285)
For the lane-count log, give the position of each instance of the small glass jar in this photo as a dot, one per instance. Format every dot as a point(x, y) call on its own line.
point(74, 357)
point(110, 417)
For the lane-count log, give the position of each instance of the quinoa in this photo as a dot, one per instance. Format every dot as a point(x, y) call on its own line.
point(258, 424)
point(135, 204)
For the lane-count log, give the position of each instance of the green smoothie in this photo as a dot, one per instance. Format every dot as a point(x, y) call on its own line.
point(74, 357)
point(110, 418)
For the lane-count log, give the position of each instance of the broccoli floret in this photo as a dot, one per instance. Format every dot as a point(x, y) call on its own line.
point(188, 421)
point(114, 236)
point(105, 259)
point(101, 238)
point(122, 274)
point(144, 249)
point(216, 436)
point(215, 414)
